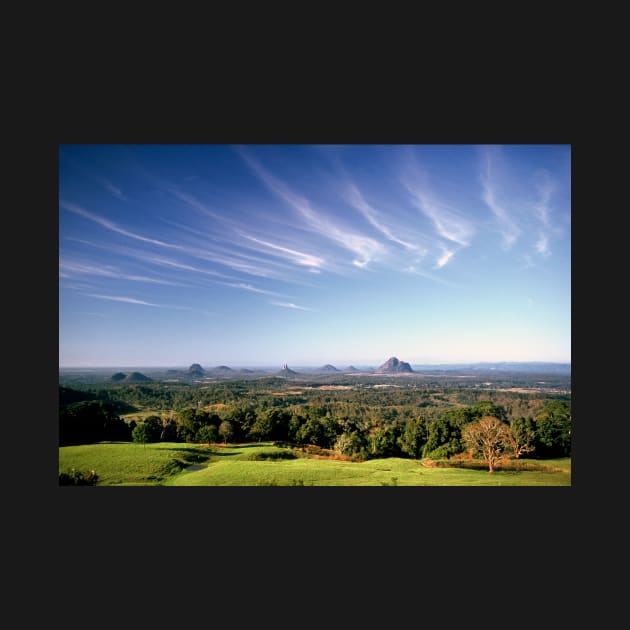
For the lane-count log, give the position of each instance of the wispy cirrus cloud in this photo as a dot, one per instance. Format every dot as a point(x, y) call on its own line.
point(249, 287)
point(291, 305)
point(192, 202)
point(114, 190)
point(357, 201)
point(542, 245)
point(363, 247)
point(545, 188)
point(452, 230)
point(75, 286)
point(420, 271)
point(236, 263)
point(255, 268)
point(109, 225)
point(223, 250)
point(69, 268)
point(448, 224)
point(299, 258)
point(507, 226)
point(175, 264)
point(130, 300)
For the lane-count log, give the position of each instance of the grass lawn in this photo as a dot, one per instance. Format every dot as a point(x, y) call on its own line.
point(125, 463)
point(131, 464)
point(233, 467)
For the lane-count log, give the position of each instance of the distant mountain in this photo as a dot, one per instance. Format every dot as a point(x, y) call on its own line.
point(328, 368)
point(394, 366)
point(196, 370)
point(286, 371)
point(351, 368)
point(119, 376)
point(501, 366)
point(526, 366)
point(137, 377)
point(222, 369)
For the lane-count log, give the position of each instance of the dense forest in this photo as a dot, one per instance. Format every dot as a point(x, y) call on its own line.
point(362, 420)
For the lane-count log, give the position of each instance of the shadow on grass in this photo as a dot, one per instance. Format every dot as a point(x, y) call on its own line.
point(251, 445)
point(192, 451)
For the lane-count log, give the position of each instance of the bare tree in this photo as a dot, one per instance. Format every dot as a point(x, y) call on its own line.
point(489, 437)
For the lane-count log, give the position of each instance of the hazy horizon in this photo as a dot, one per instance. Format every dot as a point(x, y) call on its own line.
point(312, 254)
point(340, 365)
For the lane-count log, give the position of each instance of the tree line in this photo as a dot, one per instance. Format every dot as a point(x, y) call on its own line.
point(447, 432)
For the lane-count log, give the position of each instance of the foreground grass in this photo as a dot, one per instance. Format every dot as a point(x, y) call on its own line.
point(233, 466)
point(124, 463)
point(128, 463)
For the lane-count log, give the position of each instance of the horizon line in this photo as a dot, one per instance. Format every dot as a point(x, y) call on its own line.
point(299, 364)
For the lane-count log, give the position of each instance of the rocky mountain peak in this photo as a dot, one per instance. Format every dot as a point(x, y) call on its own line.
point(394, 366)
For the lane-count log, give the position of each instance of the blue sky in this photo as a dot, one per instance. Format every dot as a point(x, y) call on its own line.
point(260, 255)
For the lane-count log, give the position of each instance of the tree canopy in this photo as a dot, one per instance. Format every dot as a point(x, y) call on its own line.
point(489, 438)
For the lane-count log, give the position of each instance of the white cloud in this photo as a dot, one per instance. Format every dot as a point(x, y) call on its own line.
point(107, 272)
point(192, 202)
point(116, 298)
point(545, 187)
point(167, 262)
point(290, 305)
point(114, 190)
point(542, 245)
point(447, 223)
point(363, 247)
point(357, 201)
point(249, 287)
point(109, 225)
point(300, 258)
point(447, 254)
point(508, 228)
point(129, 300)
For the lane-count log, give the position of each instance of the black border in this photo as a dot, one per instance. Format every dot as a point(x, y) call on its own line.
point(284, 518)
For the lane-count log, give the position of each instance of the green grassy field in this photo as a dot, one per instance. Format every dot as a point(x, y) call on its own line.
point(131, 464)
point(123, 463)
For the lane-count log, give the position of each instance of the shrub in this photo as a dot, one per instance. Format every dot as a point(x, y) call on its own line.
point(446, 450)
point(394, 482)
point(78, 478)
point(263, 455)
